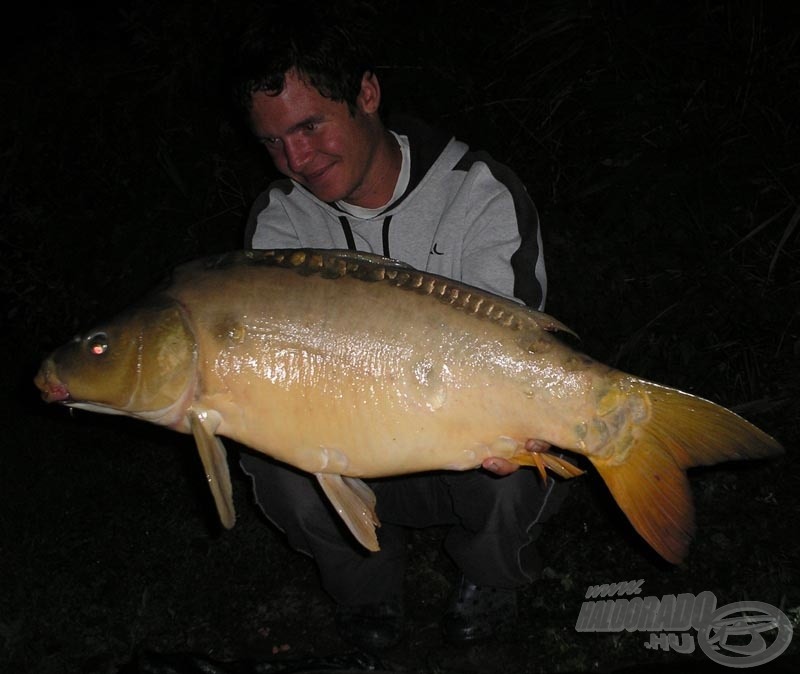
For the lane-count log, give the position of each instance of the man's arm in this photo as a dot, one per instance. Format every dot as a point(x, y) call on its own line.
point(503, 253)
point(502, 245)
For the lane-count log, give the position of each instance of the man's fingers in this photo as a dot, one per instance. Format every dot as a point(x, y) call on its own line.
point(537, 445)
point(499, 466)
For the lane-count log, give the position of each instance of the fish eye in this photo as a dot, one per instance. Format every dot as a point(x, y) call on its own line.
point(98, 344)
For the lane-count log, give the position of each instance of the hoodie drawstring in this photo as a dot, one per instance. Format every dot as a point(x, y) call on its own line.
point(351, 243)
point(348, 233)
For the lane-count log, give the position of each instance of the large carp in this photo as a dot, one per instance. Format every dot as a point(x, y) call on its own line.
point(348, 366)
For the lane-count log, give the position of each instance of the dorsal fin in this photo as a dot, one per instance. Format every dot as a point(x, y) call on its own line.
point(334, 264)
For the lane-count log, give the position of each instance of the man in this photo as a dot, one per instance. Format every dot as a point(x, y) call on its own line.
point(311, 98)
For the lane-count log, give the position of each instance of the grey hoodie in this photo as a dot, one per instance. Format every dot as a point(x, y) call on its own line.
point(463, 216)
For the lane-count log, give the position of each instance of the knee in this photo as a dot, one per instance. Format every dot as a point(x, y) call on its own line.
point(514, 500)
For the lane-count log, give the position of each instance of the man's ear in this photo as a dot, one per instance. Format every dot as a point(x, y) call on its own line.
point(369, 98)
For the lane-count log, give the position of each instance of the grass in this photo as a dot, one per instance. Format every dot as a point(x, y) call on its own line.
point(660, 145)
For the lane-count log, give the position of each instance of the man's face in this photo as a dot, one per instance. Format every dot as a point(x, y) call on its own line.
point(318, 142)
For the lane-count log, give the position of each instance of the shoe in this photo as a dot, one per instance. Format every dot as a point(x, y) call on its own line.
point(477, 612)
point(372, 627)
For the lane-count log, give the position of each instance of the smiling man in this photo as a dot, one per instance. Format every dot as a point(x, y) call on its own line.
point(308, 92)
point(317, 142)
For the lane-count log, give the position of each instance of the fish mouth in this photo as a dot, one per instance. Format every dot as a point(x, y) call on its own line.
point(53, 390)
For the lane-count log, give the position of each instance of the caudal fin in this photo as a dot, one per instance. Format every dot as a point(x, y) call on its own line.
point(648, 480)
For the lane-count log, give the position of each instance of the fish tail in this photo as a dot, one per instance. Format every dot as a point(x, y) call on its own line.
point(646, 471)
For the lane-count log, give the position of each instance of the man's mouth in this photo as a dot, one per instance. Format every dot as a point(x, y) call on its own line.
point(317, 175)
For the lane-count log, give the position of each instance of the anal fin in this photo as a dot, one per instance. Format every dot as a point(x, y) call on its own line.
point(544, 460)
point(355, 503)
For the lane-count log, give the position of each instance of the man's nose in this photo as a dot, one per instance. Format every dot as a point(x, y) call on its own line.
point(298, 152)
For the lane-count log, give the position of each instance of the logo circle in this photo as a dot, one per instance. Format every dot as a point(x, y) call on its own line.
point(756, 618)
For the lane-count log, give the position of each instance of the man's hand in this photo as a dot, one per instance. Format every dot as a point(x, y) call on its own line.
point(498, 466)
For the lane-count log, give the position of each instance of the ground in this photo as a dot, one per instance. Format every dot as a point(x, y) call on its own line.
point(660, 146)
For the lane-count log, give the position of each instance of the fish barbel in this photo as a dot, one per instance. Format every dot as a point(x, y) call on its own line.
point(349, 365)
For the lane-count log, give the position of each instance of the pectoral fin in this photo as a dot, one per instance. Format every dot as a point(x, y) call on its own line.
point(215, 463)
point(355, 503)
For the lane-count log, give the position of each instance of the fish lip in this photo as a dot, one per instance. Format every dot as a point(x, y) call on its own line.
point(57, 393)
point(53, 390)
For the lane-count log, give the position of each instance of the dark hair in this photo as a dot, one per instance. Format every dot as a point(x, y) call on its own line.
point(328, 48)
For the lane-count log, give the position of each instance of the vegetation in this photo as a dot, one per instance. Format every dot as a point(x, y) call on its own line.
point(660, 142)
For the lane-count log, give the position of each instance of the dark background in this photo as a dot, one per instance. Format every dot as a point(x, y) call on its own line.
point(660, 143)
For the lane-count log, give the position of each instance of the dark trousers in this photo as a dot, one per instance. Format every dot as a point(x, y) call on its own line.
point(493, 523)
